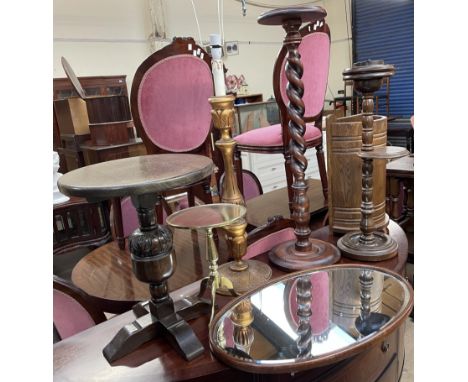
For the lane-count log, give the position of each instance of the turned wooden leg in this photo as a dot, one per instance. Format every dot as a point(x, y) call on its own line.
point(395, 198)
point(323, 171)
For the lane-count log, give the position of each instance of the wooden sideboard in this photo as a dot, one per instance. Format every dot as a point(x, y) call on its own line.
point(94, 85)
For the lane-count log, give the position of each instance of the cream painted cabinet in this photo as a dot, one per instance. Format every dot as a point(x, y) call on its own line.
point(269, 168)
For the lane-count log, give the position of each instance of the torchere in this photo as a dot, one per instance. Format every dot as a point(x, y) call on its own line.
point(244, 275)
point(303, 252)
point(368, 244)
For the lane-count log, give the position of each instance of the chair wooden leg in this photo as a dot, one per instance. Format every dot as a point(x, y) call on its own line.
point(159, 212)
point(238, 171)
point(289, 180)
point(322, 170)
point(118, 224)
point(207, 198)
point(191, 197)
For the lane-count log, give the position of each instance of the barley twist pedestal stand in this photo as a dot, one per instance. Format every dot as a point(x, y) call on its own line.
point(304, 252)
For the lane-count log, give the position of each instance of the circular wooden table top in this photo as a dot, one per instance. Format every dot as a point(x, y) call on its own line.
point(106, 273)
point(135, 176)
point(280, 15)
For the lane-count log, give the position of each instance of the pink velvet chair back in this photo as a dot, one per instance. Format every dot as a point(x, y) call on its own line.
point(73, 311)
point(170, 98)
point(69, 316)
point(129, 216)
point(315, 55)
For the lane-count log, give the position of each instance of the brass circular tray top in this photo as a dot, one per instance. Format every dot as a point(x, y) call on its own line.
point(206, 216)
point(135, 176)
point(310, 319)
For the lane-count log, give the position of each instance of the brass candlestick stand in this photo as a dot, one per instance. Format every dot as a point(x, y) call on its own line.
point(206, 217)
point(249, 274)
point(368, 244)
point(304, 252)
point(222, 113)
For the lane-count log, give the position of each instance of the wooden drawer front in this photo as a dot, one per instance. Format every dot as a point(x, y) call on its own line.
point(374, 364)
point(275, 185)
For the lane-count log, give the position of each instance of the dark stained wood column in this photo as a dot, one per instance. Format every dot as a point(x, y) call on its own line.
point(303, 252)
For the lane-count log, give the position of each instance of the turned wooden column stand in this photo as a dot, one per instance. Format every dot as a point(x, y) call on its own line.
point(206, 217)
point(303, 252)
point(144, 179)
point(244, 274)
point(368, 244)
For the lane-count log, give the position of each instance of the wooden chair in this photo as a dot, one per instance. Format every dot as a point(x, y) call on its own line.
point(124, 221)
point(345, 97)
point(74, 310)
point(315, 53)
point(169, 103)
point(251, 185)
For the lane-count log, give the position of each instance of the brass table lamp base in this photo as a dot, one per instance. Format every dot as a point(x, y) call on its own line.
point(245, 275)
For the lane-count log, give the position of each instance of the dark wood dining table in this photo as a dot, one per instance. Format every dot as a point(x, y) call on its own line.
point(106, 273)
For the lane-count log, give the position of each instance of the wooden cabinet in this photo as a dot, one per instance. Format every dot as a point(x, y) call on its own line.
point(95, 85)
point(96, 154)
point(72, 117)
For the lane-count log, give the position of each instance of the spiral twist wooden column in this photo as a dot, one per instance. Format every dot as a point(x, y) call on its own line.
point(368, 244)
point(303, 252)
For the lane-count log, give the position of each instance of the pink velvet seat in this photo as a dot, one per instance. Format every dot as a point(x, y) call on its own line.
point(315, 55)
point(73, 309)
point(273, 136)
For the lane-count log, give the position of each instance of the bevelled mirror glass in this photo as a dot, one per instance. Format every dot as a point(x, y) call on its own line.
point(310, 318)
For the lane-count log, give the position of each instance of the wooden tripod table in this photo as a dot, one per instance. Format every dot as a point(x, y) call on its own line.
point(151, 247)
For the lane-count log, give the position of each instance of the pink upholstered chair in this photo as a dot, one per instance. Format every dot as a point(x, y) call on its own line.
point(251, 185)
point(260, 240)
point(128, 219)
point(315, 54)
point(169, 102)
point(73, 310)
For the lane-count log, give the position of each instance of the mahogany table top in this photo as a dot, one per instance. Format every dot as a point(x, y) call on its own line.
point(402, 168)
point(135, 175)
point(106, 273)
